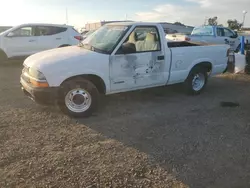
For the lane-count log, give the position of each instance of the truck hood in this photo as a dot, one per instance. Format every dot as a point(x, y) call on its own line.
point(60, 58)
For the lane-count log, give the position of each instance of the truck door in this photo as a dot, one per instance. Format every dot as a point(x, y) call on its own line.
point(226, 36)
point(144, 67)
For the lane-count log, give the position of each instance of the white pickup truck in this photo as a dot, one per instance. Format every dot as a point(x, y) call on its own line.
point(118, 57)
point(211, 34)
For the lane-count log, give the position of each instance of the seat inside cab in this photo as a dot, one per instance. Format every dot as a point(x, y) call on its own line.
point(144, 40)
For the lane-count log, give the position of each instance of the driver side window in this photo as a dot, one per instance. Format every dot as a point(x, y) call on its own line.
point(228, 33)
point(144, 39)
point(223, 32)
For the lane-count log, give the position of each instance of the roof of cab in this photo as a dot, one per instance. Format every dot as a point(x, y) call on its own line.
point(132, 23)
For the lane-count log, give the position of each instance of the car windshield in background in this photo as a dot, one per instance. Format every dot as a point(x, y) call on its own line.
point(89, 33)
point(206, 30)
point(105, 39)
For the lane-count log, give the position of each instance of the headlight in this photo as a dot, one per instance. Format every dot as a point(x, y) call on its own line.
point(36, 74)
point(35, 77)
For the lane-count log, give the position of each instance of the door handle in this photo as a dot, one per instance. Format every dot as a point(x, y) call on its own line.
point(161, 57)
point(31, 40)
point(58, 38)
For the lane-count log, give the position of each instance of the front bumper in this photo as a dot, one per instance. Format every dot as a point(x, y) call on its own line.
point(43, 96)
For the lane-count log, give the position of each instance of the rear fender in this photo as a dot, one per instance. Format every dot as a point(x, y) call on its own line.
point(199, 61)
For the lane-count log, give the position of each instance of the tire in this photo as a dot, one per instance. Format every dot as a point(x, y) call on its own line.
point(196, 81)
point(3, 57)
point(79, 93)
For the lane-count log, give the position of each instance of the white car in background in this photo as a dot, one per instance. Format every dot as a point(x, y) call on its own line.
point(85, 35)
point(28, 39)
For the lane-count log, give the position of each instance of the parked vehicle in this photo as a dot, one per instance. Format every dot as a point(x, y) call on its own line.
point(113, 60)
point(210, 34)
point(84, 36)
point(27, 39)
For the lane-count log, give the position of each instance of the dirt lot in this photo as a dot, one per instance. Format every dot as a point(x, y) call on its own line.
point(153, 138)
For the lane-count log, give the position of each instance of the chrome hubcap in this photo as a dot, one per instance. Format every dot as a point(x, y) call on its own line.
point(78, 100)
point(198, 82)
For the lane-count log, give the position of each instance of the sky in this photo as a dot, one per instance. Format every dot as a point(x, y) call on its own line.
point(189, 12)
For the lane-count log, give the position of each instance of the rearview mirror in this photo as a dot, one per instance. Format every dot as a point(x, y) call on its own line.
point(10, 34)
point(128, 48)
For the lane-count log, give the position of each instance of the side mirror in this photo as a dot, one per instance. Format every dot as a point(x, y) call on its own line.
point(128, 48)
point(10, 34)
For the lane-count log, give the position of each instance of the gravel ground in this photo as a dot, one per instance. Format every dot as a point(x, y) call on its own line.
point(152, 138)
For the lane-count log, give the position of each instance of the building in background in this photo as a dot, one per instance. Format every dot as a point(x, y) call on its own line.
point(245, 30)
point(4, 28)
point(96, 25)
point(168, 27)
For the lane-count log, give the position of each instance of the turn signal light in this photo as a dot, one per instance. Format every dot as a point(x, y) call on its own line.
point(39, 84)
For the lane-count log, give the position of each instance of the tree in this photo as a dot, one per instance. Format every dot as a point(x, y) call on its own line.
point(213, 21)
point(234, 24)
point(179, 23)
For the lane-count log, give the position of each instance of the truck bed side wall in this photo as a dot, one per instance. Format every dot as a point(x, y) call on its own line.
point(185, 58)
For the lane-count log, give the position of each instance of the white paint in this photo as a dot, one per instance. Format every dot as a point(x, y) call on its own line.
point(59, 64)
point(121, 72)
point(28, 45)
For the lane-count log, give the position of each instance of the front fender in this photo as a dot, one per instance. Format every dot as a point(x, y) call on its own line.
point(56, 81)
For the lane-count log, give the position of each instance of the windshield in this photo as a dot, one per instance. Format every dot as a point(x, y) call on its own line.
point(205, 30)
point(105, 38)
point(5, 30)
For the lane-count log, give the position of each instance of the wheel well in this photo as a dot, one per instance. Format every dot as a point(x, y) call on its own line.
point(96, 80)
point(2, 53)
point(206, 65)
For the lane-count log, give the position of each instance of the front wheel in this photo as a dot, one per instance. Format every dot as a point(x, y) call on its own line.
point(78, 98)
point(196, 81)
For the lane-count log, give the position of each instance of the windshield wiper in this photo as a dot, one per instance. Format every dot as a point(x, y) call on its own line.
point(92, 48)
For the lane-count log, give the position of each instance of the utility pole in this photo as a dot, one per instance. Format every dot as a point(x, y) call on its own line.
point(205, 21)
point(244, 17)
point(67, 16)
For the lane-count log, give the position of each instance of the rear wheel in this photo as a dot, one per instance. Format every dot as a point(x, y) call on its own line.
point(196, 81)
point(78, 98)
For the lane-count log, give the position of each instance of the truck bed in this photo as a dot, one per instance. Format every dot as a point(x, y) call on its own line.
point(175, 44)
